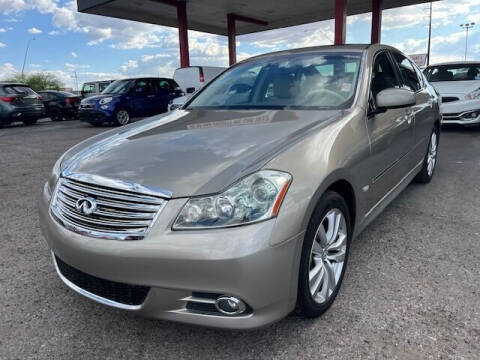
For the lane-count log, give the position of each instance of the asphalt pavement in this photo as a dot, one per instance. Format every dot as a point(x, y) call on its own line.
point(411, 290)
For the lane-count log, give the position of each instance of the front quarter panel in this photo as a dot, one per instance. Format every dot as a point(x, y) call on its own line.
point(332, 153)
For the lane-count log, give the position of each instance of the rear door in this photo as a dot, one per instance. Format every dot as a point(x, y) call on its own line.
point(391, 132)
point(423, 111)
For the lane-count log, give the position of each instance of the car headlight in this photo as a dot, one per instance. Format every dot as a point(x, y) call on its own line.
point(56, 172)
point(105, 100)
point(475, 94)
point(254, 198)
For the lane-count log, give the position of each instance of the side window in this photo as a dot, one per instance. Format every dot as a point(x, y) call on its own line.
point(144, 86)
point(102, 86)
point(408, 72)
point(88, 88)
point(383, 75)
point(420, 77)
point(163, 85)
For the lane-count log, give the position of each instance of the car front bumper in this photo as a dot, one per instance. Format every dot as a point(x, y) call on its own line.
point(178, 265)
point(94, 116)
point(461, 112)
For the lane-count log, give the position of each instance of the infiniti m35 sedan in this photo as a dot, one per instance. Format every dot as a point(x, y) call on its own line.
point(241, 206)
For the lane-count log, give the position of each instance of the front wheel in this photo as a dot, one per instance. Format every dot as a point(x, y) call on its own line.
point(430, 161)
point(122, 117)
point(324, 255)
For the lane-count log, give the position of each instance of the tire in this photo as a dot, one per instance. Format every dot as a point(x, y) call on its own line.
point(429, 162)
point(122, 117)
point(29, 122)
point(311, 303)
point(56, 115)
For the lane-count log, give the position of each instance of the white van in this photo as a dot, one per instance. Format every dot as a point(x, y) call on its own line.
point(190, 79)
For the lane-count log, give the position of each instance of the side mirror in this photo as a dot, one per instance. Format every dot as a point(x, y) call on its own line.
point(190, 90)
point(394, 98)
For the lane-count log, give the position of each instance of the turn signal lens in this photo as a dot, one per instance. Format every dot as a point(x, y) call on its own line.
point(7, 98)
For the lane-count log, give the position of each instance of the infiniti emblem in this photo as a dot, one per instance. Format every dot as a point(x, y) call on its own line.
point(86, 205)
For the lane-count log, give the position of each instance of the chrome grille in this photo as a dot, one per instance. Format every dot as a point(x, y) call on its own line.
point(119, 214)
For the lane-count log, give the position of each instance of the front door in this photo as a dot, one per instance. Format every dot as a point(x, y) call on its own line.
point(391, 133)
point(144, 98)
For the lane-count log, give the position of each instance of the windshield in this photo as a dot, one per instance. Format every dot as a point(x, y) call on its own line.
point(292, 81)
point(118, 87)
point(454, 72)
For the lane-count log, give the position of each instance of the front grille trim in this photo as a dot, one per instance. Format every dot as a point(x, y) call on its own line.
point(121, 214)
point(94, 296)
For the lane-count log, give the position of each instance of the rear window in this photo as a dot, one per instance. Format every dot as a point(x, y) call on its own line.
point(453, 72)
point(88, 88)
point(18, 90)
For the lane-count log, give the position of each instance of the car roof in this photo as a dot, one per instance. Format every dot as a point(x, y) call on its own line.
point(328, 48)
point(147, 77)
point(456, 63)
point(6, 83)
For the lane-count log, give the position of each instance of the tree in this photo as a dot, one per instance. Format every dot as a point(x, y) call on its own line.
point(38, 81)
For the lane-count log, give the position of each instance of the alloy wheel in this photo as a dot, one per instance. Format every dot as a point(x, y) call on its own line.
point(327, 256)
point(432, 154)
point(123, 117)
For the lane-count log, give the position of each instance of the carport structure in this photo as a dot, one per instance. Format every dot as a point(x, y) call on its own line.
point(239, 17)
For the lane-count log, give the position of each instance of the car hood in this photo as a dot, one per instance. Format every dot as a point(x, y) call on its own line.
point(456, 87)
point(95, 98)
point(193, 152)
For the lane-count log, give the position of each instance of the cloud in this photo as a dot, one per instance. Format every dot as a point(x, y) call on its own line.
point(74, 54)
point(54, 32)
point(7, 70)
point(2, 30)
point(12, 6)
point(2, 45)
point(129, 65)
point(71, 66)
point(34, 30)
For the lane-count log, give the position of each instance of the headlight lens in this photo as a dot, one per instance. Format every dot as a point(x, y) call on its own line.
point(105, 100)
point(56, 171)
point(254, 198)
point(475, 94)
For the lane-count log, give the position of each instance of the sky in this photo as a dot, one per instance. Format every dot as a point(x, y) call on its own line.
point(94, 47)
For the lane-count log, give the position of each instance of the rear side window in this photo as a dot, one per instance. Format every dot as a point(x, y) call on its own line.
point(18, 90)
point(383, 75)
point(408, 72)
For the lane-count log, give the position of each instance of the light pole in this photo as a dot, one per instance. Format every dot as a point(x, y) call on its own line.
point(26, 52)
point(467, 26)
point(429, 35)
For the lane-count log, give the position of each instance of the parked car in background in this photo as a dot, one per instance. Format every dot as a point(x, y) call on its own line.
point(60, 105)
point(94, 87)
point(18, 102)
point(241, 207)
point(458, 84)
point(191, 79)
point(125, 99)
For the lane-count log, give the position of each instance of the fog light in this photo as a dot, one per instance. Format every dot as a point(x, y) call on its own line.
point(230, 305)
point(473, 115)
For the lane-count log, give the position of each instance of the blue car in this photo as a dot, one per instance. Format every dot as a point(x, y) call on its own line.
point(125, 99)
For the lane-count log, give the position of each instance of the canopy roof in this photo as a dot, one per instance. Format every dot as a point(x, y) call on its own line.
point(211, 15)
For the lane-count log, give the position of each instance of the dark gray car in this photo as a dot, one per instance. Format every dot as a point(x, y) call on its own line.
point(241, 206)
point(18, 102)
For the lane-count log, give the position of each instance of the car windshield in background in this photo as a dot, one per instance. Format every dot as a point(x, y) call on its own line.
point(118, 87)
point(18, 90)
point(454, 72)
point(315, 80)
